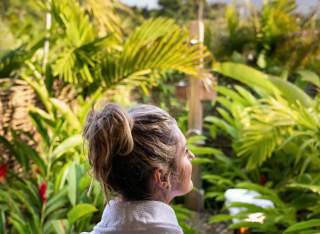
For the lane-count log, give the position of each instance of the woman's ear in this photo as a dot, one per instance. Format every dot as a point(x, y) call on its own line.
point(161, 178)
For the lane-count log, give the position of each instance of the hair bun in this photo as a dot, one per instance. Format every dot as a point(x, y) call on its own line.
point(117, 126)
point(110, 130)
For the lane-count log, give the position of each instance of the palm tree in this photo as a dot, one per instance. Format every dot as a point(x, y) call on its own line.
point(92, 52)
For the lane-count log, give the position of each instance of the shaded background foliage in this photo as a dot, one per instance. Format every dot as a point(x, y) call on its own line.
point(261, 133)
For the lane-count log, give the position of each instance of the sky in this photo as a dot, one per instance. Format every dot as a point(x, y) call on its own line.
point(304, 5)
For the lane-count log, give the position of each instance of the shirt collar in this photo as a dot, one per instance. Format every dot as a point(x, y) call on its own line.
point(129, 212)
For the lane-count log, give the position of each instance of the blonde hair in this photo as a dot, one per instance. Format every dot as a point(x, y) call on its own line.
point(124, 148)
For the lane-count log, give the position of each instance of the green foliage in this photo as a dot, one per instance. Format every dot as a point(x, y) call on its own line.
point(283, 110)
point(274, 130)
point(184, 215)
point(265, 128)
point(157, 45)
point(276, 38)
point(90, 52)
point(304, 227)
point(50, 195)
point(262, 82)
point(79, 211)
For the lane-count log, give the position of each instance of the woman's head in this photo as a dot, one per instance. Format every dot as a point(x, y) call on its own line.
point(140, 154)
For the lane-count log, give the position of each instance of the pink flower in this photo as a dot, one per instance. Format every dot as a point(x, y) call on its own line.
point(42, 191)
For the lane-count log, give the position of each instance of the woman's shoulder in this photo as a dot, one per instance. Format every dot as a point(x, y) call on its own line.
point(130, 217)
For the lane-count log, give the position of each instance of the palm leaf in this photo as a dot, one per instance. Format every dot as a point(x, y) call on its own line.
point(263, 82)
point(157, 45)
point(12, 60)
point(110, 23)
point(268, 125)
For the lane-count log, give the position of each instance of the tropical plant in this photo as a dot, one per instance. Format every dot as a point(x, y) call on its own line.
point(80, 53)
point(275, 38)
point(274, 130)
point(50, 194)
point(283, 110)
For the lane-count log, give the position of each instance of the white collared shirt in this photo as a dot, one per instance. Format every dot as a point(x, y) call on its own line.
point(133, 217)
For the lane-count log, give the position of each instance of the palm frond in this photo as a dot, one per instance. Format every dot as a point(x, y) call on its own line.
point(269, 123)
point(105, 15)
point(11, 61)
point(158, 44)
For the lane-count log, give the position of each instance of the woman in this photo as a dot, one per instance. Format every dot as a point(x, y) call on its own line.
point(142, 157)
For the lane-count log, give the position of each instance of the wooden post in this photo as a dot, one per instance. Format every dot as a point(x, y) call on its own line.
point(196, 91)
point(195, 199)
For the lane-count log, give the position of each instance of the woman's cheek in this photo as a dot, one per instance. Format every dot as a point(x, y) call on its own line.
point(190, 176)
point(187, 171)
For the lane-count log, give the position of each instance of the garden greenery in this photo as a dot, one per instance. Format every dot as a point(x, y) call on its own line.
point(262, 132)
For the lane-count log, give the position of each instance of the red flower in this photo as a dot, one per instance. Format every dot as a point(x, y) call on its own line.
point(42, 191)
point(262, 180)
point(3, 172)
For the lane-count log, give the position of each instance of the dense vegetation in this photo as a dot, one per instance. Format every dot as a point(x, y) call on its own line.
point(262, 132)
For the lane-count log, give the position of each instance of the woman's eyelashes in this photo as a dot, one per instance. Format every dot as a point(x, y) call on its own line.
point(188, 153)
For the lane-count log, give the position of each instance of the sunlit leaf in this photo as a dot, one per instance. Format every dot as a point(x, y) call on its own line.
point(80, 211)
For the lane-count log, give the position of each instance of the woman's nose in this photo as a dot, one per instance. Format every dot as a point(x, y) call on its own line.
point(192, 156)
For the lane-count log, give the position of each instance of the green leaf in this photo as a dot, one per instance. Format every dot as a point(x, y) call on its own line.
point(17, 223)
point(2, 221)
point(41, 91)
point(247, 75)
point(220, 218)
point(231, 94)
point(80, 211)
point(37, 117)
point(67, 145)
point(291, 92)
point(56, 203)
point(200, 150)
point(310, 76)
point(88, 103)
point(216, 179)
point(65, 110)
point(303, 225)
point(261, 81)
point(61, 177)
point(223, 125)
point(72, 184)
point(157, 45)
point(311, 187)
point(199, 161)
point(59, 226)
point(195, 139)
